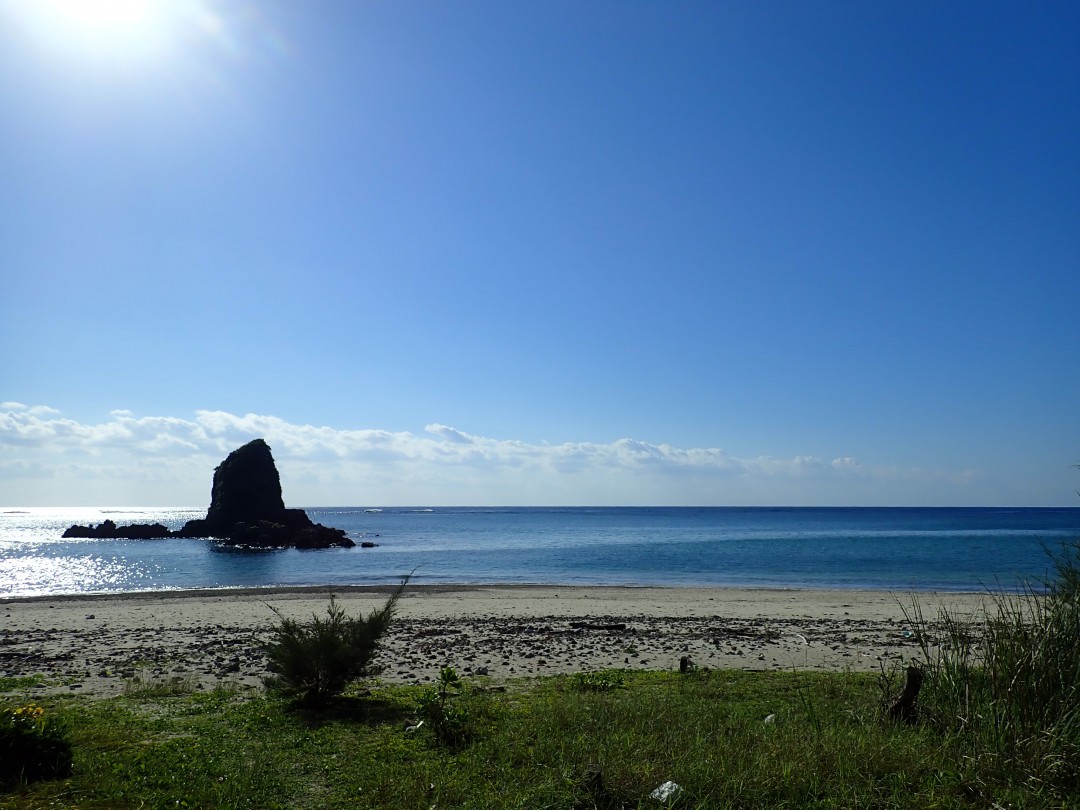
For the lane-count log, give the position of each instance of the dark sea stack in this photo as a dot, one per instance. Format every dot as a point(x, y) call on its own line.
point(246, 509)
point(247, 489)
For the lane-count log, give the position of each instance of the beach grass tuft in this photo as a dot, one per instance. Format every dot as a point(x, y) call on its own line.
point(146, 683)
point(1005, 686)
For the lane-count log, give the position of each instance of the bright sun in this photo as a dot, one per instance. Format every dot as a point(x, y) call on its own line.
point(116, 29)
point(103, 15)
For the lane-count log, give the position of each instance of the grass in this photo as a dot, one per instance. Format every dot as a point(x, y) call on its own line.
point(23, 683)
point(547, 744)
point(1005, 687)
point(147, 684)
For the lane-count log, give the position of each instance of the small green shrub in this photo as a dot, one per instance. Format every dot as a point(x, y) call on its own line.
point(441, 710)
point(33, 746)
point(314, 661)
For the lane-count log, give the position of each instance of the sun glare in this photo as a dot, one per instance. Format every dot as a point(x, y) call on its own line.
point(115, 29)
point(103, 15)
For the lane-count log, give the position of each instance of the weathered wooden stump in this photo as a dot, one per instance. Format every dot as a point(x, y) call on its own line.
point(904, 708)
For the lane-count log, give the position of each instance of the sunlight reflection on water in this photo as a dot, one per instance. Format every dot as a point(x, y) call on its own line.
point(25, 576)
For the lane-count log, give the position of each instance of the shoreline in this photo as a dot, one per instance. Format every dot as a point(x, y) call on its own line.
point(453, 587)
point(99, 644)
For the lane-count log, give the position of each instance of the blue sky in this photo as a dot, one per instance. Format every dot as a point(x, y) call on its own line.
point(541, 253)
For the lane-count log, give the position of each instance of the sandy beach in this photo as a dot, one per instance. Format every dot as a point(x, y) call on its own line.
point(96, 645)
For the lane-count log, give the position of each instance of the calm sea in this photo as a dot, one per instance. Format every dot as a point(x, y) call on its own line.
point(889, 548)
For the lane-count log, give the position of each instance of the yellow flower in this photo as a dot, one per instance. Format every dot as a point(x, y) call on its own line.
point(29, 712)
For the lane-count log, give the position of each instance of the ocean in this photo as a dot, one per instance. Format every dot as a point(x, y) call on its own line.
point(898, 549)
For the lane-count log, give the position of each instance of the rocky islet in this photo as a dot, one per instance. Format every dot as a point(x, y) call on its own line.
point(246, 509)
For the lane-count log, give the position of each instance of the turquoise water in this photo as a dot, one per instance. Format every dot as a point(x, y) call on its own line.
point(957, 549)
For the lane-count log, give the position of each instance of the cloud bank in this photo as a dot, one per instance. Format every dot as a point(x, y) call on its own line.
point(51, 460)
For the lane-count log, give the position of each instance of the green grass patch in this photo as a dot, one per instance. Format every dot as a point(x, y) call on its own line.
point(553, 743)
point(20, 684)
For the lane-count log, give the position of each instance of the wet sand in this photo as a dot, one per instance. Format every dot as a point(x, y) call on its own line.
point(96, 645)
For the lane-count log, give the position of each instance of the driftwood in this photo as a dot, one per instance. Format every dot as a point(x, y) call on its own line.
point(591, 626)
point(904, 708)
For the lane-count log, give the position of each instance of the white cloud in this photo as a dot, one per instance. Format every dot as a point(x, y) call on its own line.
point(450, 433)
point(21, 468)
point(328, 465)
